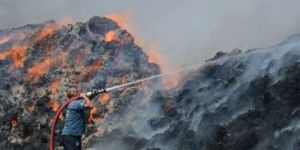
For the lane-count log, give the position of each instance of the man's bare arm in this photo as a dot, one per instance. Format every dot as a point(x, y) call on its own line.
point(87, 101)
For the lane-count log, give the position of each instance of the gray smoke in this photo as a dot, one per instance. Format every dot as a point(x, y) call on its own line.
point(187, 31)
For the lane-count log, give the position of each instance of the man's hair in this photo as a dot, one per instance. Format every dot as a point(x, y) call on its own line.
point(73, 91)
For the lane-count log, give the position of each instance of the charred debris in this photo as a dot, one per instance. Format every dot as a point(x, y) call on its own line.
point(236, 100)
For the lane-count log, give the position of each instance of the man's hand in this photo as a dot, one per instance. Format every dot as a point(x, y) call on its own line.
point(87, 101)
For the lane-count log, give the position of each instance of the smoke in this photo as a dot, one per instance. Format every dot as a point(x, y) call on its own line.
point(132, 124)
point(187, 31)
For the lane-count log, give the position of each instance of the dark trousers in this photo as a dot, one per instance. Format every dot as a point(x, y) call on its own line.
point(71, 142)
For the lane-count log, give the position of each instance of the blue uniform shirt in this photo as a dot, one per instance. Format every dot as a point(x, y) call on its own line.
point(74, 120)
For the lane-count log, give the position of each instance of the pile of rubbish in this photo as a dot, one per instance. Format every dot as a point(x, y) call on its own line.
point(236, 100)
point(39, 62)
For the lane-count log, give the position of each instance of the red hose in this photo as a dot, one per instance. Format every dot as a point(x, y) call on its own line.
point(54, 121)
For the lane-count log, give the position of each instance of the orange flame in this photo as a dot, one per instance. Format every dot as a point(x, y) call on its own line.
point(39, 69)
point(34, 73)
point(13, 122)
point(104, 99)
point(46, 31)
point(110, 36)
point(51, 28)
point(53, 105)
point(151, 49)
point(4, 40)
point(17, 53)
point(154, 57)
point(54, 86)
point(4, 55)
point(92, 112)
point(121, 19)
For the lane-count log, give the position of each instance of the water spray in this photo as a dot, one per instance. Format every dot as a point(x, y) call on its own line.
point(96, 92)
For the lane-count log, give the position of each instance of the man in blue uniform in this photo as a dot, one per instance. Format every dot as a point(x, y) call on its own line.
point(74, 126)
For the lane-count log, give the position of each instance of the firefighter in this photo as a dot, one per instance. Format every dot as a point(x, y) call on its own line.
point(74, 122)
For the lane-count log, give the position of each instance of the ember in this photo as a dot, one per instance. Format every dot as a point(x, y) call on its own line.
point(104, 99)
point(111, 35)
point(53, 105)
point(13, 122)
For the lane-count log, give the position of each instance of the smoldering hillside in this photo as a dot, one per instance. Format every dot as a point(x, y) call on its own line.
point(237, 100)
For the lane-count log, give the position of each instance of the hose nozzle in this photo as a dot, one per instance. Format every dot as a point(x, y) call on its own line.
point(94, 93)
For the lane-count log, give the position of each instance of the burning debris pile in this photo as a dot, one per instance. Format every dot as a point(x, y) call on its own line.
point(237, 100)
point(39, 62)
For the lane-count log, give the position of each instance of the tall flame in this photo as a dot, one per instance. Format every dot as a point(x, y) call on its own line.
point(151, 49)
